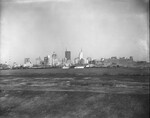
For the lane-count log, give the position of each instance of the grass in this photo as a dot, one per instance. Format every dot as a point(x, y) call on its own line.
point(26, 102)
point(29, 104)
point(76, 72)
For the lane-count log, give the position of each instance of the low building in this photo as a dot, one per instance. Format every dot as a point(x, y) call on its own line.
point(27, 63)
point(5, 66)
point(47, 61)
point(27, 60)
point(88, 60)
point(38, 61)
point(16, 66)
point(76, 60)
point(124, 62)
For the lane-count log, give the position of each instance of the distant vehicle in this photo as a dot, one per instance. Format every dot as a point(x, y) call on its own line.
point(87, 66)
point(65, 67)
point(90, 66)
point(77, 67)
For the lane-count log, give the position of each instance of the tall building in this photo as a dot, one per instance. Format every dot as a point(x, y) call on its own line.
point(47, 60)
point(68, 55)
point(27, 60)
point(38, 61)
point(54, 59)
point(54, 55)
point(81, 55)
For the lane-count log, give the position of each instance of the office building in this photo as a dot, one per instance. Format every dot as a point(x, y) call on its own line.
point(47, 60)
point(54, 59)
point(27, 60)
point(38, 61)
point(76, 60)
point(54, 55)
point(81, 55)
point(68, 55)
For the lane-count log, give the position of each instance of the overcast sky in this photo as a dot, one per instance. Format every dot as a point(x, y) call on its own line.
point(101, 28)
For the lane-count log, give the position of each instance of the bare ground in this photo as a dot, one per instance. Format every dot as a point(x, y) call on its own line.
point(40, 104)
point(55, 95)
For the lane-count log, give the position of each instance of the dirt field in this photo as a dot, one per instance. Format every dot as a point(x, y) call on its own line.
point(76, 72)
point(41, 93)
point(40, 104)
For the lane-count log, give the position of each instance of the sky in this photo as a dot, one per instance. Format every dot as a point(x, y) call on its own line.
point(101, 28)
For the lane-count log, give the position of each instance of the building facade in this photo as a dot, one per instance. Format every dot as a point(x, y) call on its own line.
point(81, 55)
point(38, 61)
point(27, 60)
point(54, 59)
point(68, 55)
point(47, 60)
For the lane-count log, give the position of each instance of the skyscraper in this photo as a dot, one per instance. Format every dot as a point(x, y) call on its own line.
point(38, 61)
point(81, 55)
point(54, 55)
point(46, 60)
point(27, 60)
point(54, 59)
point(68, 55)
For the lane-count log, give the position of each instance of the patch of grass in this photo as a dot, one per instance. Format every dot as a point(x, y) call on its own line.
point(29, 104)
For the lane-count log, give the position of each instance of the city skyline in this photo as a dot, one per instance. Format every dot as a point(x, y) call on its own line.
point(55, 56)
point(102, 29)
